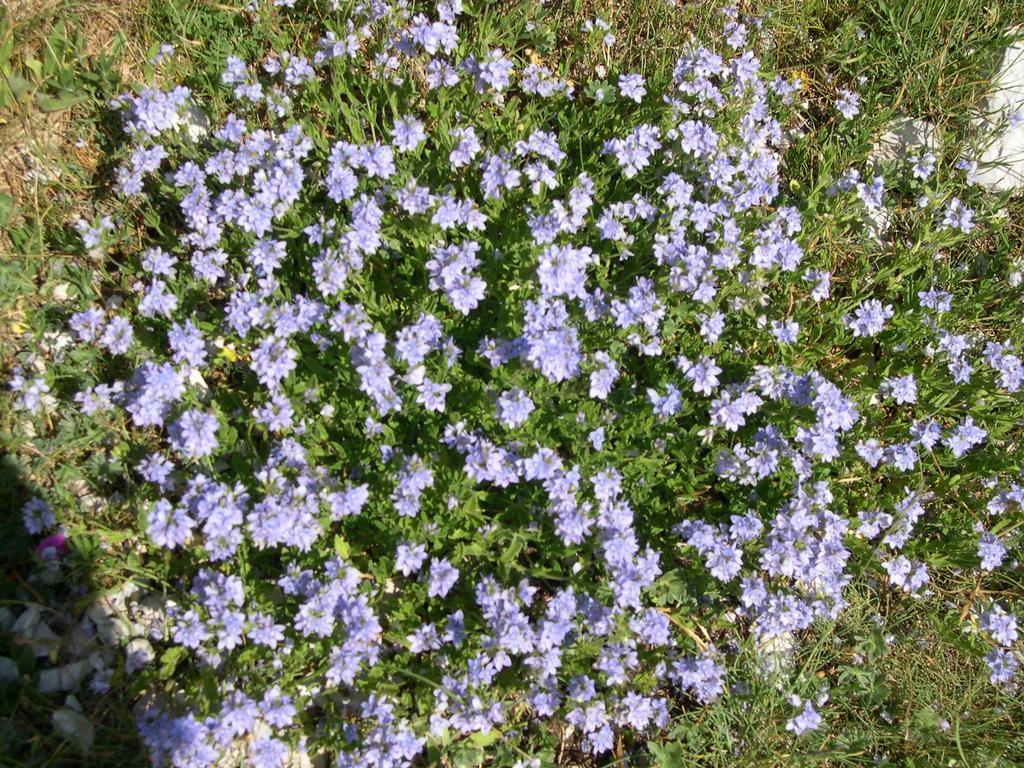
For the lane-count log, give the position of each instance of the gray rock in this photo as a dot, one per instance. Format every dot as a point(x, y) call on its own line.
point(138, 654)
point(110, 616)
point(778, 655)
point(8, 670)
point(150, 616)
point(876, 225)
point(1002, 162)
point(903, 137)
point(64, 678)
point(74, 726)
point(195, 122)
point(82, 639)
point(30, 629)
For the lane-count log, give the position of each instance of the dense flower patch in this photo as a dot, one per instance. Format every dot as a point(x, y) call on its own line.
point(457, 397)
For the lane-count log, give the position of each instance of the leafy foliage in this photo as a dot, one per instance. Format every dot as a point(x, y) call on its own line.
point(447, 395)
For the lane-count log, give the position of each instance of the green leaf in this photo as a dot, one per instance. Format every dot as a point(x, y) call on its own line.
point(926, 719)
point(511, 552)
point(49, 103)
point(6, 49)
point(6, 206)
point(666, 755)
point(36, 68)
point(485, 739)
point(342, 547)
point(19, 86)
point(468, 757)
point(170, 659)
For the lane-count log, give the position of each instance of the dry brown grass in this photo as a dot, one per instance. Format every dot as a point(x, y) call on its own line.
point(38, 147)
point(648, 32)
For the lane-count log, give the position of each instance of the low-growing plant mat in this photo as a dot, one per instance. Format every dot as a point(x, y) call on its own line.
point(566, 383)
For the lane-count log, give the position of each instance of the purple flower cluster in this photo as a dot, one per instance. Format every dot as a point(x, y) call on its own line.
point(451, 270)
point(387, 452)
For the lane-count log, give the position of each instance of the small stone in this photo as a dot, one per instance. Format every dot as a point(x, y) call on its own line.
point(8, 670)
point(233, 756)
point(65, 678)
point(150, 616)
point(195, 378)
point(31, 630)
point(195, 122)
point(778, 655)
point(109, 615)
point(78, 486)
point(138, 654)
point(82, 639)
point(75, 727)
point(904, 137)
point(877, 222)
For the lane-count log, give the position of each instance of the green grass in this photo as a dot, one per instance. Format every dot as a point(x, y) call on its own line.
point(929, 59)
point(895, 687)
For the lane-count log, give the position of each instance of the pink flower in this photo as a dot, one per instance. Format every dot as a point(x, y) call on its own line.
point(53, 545)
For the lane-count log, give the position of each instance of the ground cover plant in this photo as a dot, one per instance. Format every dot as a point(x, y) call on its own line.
point(447, 384)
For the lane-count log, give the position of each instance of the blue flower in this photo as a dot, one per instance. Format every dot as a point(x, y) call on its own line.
point(806, 720)
point(443, 576)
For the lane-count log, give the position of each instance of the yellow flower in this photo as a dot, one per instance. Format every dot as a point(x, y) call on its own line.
point(227, 351)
